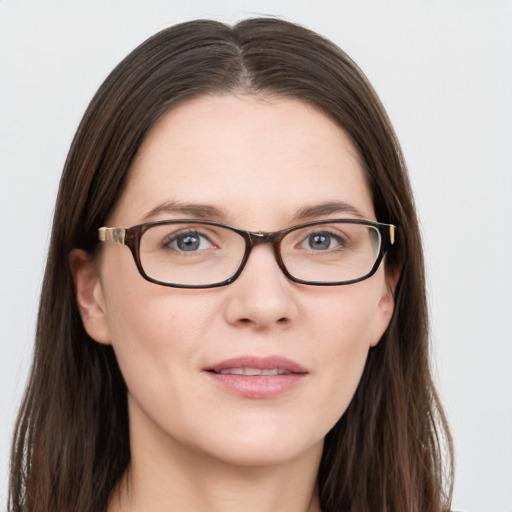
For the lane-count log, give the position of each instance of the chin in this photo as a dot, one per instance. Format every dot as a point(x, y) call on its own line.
point(256, 450)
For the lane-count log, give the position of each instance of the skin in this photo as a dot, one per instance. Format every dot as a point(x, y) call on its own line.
point(195, 445)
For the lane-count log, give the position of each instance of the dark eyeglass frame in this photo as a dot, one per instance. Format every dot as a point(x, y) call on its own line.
point(132, 236)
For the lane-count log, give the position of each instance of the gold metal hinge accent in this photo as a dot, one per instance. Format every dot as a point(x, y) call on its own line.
point(116, 235)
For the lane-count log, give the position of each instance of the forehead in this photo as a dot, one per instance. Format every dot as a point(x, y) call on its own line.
point(255, 158)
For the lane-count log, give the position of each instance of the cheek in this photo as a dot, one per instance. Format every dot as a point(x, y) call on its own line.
point(142, 316)
point(154, 332)
point(343, 318)
point(152, 324)
point(158, 343)
point(343, 338)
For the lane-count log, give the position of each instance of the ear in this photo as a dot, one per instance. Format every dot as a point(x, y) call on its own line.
point(385, 307)
point(89, 296)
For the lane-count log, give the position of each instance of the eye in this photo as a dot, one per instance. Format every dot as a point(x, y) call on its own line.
point(322, 241)
point(188, 241)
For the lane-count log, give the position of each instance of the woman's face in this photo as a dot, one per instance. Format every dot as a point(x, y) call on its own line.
point(260, 164)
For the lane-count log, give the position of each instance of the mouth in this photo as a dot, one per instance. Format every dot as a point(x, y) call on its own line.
point(252, 366)
point(253, 372)
point(255, 377)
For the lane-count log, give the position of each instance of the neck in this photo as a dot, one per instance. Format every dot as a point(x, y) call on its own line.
point(177, 478)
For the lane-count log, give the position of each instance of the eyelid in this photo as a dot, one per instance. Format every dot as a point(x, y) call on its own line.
point(334, 228)
point(206, 232)
point(201, 229)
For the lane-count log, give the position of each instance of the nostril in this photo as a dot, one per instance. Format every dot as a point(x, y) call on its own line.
point(246, 321)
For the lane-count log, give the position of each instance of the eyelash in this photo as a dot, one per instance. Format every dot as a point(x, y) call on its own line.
point(167, 243)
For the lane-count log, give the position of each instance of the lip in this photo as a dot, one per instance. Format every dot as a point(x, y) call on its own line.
point(257, 386)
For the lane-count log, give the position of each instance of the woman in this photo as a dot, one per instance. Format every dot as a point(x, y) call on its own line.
point(261, 342)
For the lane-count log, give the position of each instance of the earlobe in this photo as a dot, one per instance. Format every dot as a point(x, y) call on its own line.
point(89, 296)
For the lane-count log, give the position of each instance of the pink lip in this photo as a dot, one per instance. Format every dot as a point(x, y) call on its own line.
point(257, 386)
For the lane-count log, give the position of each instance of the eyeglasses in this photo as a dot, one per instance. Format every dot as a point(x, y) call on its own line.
point(207, 254)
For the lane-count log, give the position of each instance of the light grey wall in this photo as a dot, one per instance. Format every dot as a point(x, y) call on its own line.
point(444, 72)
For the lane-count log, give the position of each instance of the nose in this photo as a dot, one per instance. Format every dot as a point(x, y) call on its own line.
point(262, 297)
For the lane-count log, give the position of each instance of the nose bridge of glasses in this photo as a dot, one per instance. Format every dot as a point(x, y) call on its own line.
point(262, 237)
point(254, 238)
point(265, 238)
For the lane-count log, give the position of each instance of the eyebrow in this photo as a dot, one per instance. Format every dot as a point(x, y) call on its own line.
point(210, 212)
point(195, 210)
point(328, 208)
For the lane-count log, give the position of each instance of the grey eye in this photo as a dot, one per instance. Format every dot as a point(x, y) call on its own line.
point(319, 242)
point(189, 242)
point(322, 241)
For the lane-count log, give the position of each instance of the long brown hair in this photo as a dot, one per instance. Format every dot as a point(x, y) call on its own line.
point(71, 442)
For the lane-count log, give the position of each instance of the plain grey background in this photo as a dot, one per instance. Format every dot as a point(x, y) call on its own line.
point(444, 72)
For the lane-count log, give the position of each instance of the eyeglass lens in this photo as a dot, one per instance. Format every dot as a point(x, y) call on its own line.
point(202, 254)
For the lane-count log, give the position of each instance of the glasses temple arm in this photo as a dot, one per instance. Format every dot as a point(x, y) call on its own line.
point(116, 235)
point(392, 234)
